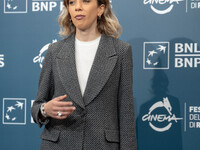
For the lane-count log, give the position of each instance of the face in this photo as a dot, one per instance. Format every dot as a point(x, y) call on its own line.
point(84, 13)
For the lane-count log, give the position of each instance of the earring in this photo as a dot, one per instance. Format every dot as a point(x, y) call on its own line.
point(99, 18)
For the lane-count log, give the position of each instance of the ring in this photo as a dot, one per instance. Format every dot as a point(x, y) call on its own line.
point(59, 114)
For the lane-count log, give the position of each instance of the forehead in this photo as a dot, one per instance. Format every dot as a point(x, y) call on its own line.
point(66, 2)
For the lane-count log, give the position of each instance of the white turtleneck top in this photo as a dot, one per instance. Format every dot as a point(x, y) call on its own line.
point(84, 55)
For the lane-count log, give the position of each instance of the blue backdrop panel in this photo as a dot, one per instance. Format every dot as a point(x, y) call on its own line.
point(164, 35)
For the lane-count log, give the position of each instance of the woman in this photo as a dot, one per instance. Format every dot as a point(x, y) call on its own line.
point(85, 97)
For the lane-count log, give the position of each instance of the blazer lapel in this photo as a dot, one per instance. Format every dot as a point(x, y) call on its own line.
point(66, 66)
point(102, 67)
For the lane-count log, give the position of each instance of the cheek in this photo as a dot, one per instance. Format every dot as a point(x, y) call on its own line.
point(92, 14)
point(71, 11)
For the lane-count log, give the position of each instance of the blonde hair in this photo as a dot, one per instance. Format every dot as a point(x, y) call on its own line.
point(108, 23)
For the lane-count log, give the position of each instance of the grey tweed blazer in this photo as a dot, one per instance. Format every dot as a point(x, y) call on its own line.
point(104, 115)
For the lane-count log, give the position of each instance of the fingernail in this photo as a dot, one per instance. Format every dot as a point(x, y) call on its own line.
point(74, 108)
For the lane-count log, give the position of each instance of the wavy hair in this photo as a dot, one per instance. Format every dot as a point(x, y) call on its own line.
point(107, 23)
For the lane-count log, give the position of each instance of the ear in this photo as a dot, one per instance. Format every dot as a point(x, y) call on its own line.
point(101, 9)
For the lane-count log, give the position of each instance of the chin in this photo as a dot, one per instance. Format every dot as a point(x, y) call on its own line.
point(81, 28)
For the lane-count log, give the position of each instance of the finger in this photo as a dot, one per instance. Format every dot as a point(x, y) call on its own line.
point(64, 109)
point(58, 107)
point(63, 116)
point(64, 104)
point(60, 98)
point(65, 113)
point(55, 113)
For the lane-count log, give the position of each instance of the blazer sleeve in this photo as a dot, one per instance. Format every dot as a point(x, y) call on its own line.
point(45, 88)
point(125, 104)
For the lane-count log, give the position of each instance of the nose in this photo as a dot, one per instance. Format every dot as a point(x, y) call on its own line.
point(78, 6)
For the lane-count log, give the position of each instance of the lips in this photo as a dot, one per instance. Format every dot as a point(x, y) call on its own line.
point(79, 17)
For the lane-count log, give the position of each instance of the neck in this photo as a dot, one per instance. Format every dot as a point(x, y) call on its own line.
point(87, 35)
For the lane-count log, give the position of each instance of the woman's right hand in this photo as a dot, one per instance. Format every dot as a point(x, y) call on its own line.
point(57, 105)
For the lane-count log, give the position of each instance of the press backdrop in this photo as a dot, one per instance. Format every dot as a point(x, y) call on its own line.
point(165, 38)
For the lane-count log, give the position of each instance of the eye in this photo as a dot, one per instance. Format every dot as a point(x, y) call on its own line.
point(86, 1)
point(71, 2)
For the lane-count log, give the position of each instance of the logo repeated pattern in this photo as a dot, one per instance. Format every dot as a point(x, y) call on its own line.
point(15, 6)
point(14, 111)
point(156, 55)
point(160, 118)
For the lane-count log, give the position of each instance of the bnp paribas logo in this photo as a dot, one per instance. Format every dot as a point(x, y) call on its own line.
point(15, 6)
point(156, 55)
point(162, 6)
point(14, 111)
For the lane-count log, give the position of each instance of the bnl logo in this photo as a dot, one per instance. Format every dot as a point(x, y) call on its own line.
point(15, 6)
point(14, 111)
point(156, 55)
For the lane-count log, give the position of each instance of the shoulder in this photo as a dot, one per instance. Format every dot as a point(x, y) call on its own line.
point(121, 47)
point(55, 48)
